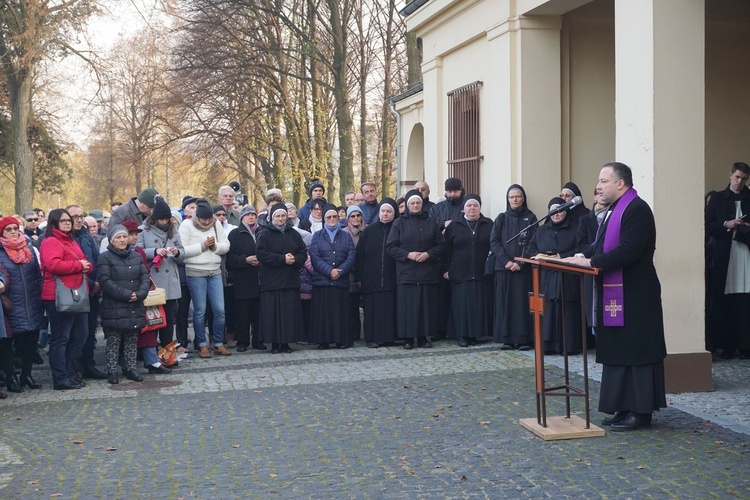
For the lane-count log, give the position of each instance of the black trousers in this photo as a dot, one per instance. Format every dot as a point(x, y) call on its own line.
point(24, 344)
point(166, 334)
point(247, 312)
point(181, 318)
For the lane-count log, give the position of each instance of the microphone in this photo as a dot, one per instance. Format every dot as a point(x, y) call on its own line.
point(561, 208)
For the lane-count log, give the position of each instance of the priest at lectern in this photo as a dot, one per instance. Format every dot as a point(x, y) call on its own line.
point(628, 319)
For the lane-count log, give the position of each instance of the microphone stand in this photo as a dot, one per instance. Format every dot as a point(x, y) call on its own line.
point(533, 224)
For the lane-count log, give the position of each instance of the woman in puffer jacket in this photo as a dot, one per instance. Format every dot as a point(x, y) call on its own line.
point(125, 284)
point(26, 318)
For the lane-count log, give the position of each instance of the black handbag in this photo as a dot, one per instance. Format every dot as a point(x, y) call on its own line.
point(71, 300)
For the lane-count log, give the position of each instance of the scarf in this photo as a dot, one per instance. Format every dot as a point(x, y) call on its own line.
point(201, 227)
point(331, 231)
point(17, 250)
point(613, 292)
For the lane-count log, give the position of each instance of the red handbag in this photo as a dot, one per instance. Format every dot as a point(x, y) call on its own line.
point(156, 319)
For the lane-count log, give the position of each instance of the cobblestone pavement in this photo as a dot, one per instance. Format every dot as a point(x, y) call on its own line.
point(365, 423)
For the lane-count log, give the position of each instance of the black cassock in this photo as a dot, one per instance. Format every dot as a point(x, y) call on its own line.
point(376, 271)
point(559, 239)
point(632, 355)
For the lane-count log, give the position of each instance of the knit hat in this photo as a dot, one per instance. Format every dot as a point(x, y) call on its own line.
point(131, 226)
point(217, 208)
point(203, 209)
point(115, 230)
point(316, 184)
point(247, 209)
point(187, 200)
point(290, 206)
point(453, 184)
point(98, 215)
point(473, 197)
point(147, 197)
point(352, 209)
point(161, 209)
point(7, 221)
point(177, 215)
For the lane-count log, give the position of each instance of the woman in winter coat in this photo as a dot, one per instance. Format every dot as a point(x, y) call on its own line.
point(512, 322)
point(63, 258)
point(375, 271)
point(558, 238)
point(281, 253)
point(332, 258)
point(243, 265)
point(416, 244)
point(313, 222)
point(124, 280)
point(205, 242)
point(6, 343)
point(467, 241)
point(163, 248)
point(18, 258)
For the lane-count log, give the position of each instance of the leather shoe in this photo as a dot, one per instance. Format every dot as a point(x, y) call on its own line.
point(65, 386)
point(617, 417)
point(13, 385)
point(506, 347)
point(3, 395)
point(323, 345)
point(161, 369)
point(113, 379)
point(78, 380)
point(632, 422)
point(28, 381)
point(286, 349)
point(132, 375)
point(372, 345)
point(463, 342)
point(259, 346)
point(38, 359)
point(408, 345)
point(241, 348)
point(275, 350)
point(92, 373)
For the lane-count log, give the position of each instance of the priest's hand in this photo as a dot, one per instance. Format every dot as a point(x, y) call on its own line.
point(578, 261)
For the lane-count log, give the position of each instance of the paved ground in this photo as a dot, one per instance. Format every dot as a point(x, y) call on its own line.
point(363, 423)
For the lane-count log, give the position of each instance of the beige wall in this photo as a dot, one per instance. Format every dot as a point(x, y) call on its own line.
point(727, 89)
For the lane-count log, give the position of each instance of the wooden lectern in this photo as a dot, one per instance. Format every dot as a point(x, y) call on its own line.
point(568, 426)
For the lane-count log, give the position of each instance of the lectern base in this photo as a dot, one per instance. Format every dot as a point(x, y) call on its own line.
point(562, 428)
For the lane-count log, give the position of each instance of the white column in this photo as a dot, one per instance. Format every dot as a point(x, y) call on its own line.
point(660, 123)
point(434, 97)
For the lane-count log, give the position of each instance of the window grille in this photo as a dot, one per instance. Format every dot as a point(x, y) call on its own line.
point(464, 156)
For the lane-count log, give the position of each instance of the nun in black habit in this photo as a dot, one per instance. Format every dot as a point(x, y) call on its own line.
point(557, 238)
point(281, 252)
point(375, 270)
point(512, 322)
point(467, 241)
point(416, 244)
point(568, 192)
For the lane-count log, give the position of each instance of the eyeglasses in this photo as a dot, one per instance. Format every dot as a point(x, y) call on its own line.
point(355, 215)
point(77, 216)
point(221, 215)
point(11, 228)
point(32, 220)
point(69, 221)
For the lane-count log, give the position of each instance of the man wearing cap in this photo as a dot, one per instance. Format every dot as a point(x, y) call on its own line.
point(188, 207)
point(82, 236)
point(101, 232)
point(317, 190)
point(136, 209)
point(226, 200)
point(355, 224)
point(370, 206)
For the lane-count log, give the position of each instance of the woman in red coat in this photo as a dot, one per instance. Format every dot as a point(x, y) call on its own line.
point(62, 257)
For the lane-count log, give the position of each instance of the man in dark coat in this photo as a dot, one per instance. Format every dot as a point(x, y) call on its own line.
point(629, 320)
point(424, 189)
point(317, 190)
point(729, 286)
point(370, 207)
point(136, 209)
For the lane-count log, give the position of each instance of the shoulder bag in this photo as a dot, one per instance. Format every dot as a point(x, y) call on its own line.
point(71, 300)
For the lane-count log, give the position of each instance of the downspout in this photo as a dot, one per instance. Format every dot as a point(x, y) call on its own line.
point(399, 146)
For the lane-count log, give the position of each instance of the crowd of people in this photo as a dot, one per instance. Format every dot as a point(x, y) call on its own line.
point(419, 270)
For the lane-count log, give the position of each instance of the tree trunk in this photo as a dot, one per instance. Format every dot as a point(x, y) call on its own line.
point(19, 86)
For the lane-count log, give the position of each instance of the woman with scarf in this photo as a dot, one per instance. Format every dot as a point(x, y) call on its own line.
point(243, 265)
point(416, 244)
point(375, 271)
point(512, 322)
point(314, 222)
point(205, 242)
point(467, 241)
point(281, 253)
point(332, 258)
point(26, 317)
point(125, 284)
point(164, 253)
point(557, 238)
point(63, 258)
